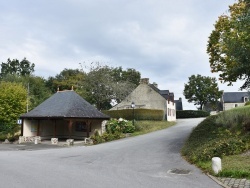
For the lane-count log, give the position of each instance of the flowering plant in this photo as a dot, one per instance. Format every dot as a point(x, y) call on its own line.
point(120, 125)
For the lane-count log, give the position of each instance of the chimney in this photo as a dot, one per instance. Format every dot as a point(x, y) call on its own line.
point(144, 81)
point(155, 84)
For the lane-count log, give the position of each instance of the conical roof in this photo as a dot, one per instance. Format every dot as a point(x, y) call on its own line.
point(65, 104)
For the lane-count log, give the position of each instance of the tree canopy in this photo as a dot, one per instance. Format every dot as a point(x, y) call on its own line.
point(105, 84)
point(12, 101)
point(21, 68)
point(202, 90)
point(229, 45)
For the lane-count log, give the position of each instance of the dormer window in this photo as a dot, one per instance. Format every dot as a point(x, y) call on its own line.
point(246, 99)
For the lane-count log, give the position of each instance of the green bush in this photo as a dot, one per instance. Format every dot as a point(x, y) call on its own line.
point(120, 125)
point(236, 119)
point(137, 114)
point(8, 131)
point(191, 114)
point(247, 103)
point(96, 137)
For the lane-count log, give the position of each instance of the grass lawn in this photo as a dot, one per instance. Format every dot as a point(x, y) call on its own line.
point(143, 127)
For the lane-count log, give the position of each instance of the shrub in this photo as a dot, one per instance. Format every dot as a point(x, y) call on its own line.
point(119, 125)
point(138, 114)
point(191, 113)
point(96, 137)
point(247, 103)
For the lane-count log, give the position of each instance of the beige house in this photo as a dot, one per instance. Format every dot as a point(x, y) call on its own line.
point(63, 115)
point(148, 96)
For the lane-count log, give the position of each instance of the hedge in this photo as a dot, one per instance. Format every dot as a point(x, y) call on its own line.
point(191, 114)
point(139, 114)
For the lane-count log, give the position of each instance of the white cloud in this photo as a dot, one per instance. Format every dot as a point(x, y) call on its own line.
point(163, 39)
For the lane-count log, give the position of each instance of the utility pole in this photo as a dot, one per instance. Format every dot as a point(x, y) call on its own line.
point(28, 91)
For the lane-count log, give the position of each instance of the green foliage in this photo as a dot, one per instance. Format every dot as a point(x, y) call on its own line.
point(191, 114)
point(138, 114)
point(217, 136)
point(12, 101)
point(38, 92)
point(236, 119)
point(106, 137)
point(96, 137)
point(104, 84)
point(67, 79)
point(247, 103)
point(202, 90)
point(228, 45)
point(15, 67)
point(12, 105)
point(119, 125)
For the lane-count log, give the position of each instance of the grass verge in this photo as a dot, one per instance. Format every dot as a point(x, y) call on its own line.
point(226, 136)
point(143, 127)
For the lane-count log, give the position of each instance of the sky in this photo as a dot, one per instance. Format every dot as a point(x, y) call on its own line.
point(165, 40)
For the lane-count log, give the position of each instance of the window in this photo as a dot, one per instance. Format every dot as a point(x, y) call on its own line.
point(81, 126)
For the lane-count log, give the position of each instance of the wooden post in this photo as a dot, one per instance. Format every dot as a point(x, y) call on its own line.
point(38, 128)
point(55, 129)
point(70, 128)
point(88, 128)
point(22, 127)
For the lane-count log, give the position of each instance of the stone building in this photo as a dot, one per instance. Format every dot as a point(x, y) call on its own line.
point(231, 100)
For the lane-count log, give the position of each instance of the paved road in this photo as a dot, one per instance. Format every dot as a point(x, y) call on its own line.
point(136, 162)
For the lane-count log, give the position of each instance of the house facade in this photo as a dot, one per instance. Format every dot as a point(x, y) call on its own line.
point(63, 115)
point(231, 100)
point(148, 96)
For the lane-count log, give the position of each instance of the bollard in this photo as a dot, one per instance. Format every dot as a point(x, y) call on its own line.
point(35, 141)
point(216, 164)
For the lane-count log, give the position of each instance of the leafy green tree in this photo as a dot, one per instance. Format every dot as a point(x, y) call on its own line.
point(229, 44)
point(66, 79)
point(202, 90)
point(130, 75)
point(21, 68)
point(105, 84)
point(12, 105)
point(35, 87)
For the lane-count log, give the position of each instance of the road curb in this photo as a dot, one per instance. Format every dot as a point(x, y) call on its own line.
point(217, 181)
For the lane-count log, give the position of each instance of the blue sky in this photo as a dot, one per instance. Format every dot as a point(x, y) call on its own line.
point(163, 39)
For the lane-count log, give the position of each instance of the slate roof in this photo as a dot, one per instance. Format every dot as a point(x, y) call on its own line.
point(65, 104)
point(234, 97)
point(164, 93)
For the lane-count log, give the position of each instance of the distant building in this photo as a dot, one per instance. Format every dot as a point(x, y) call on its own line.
point(148, 96)
point(178, 104)
point(231, 100)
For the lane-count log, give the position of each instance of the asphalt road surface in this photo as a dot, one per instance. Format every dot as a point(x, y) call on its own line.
point(144, 161)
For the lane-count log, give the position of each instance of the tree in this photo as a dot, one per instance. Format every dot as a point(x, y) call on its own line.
point(67, 79)
point(229, 45)
point(105, 84)
point(22, 68)
point(202, 90)
point(12, 104)
point(35, 87)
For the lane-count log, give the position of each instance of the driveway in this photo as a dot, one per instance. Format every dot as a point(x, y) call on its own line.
point(146, 161)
